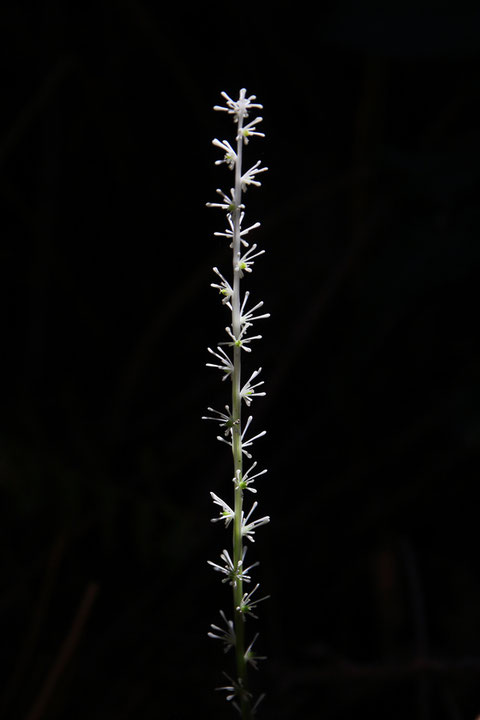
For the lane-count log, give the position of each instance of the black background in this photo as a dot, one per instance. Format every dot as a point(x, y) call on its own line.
point(370, 220)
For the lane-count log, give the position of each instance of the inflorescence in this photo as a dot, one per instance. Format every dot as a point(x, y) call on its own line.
point(227, 358)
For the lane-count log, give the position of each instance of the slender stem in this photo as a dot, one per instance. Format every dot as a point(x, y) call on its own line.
point(237, 433)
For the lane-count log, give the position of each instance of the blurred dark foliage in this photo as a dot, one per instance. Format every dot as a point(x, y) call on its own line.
point(370, 219)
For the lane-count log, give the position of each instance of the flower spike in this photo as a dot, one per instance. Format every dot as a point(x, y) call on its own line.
point(244, 314)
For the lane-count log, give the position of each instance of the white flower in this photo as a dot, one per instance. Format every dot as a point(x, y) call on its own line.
point(229, 233)
point(251, 657)
point(247, 604)
point(248, 390)
point(230, 156)
point(226, 363)
point(227, 513)
point(226, 420)
point(250, 130)
point(248, 318)
point(231, 689)
point(249, 442)
point(236, 689)
point(239, 108)
point(242, 482)
point(228, 203)
point(226, 636)
point(248, 178)
point(233, 573)
point(248, 529)
point(246, 261)
point(224, 288)
point(240, 341)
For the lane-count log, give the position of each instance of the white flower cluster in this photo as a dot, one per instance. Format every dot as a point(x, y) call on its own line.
point(243, 315)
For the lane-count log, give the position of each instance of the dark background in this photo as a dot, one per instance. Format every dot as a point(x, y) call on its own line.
point(370, 220)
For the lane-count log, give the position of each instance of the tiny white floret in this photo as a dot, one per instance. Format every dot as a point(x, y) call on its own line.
point(229, 157)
